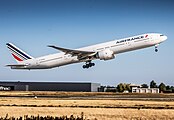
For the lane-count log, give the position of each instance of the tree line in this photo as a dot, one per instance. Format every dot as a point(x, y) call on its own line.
point(162, 87)
point(126, 87)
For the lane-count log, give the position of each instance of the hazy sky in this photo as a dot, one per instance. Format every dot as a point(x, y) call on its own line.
point(34, 24)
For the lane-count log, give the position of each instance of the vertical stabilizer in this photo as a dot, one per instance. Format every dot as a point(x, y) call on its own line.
point(17, 53)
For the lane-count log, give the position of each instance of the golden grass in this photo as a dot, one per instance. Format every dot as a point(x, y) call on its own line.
point(91, 113)
point(91, 108)
point(68, 102)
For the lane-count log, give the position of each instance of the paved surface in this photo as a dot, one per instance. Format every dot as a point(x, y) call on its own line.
point(155, 97)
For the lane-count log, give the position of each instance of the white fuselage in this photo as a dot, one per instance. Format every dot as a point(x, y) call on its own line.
point(116, 46)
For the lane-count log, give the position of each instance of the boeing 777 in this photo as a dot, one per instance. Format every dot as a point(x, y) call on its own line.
point(102, 51)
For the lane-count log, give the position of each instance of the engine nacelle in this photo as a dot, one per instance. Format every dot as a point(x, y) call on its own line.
point(106, 55)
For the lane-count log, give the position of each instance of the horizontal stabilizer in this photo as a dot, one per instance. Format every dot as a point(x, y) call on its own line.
point(17, 65)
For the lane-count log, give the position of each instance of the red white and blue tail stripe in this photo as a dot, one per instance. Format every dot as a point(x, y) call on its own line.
point(17, 53)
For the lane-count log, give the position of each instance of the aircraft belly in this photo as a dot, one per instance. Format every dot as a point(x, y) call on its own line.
point(61, 62)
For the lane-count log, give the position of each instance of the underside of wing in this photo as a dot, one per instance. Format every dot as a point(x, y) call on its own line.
point(80, 54)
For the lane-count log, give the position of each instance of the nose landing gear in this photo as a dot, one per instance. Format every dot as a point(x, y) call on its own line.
point(88, 64)
point(156, 48)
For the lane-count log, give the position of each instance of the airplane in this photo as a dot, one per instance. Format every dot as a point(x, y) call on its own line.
point(103, 51)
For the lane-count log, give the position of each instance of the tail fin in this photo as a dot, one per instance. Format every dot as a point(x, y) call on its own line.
point(17, 53)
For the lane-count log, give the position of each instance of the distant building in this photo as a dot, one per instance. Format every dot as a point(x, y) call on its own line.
point(138, 89)
point(134, 86)
point(110, 89)
point(49, 86)
point(145, 90)
point(125, 91)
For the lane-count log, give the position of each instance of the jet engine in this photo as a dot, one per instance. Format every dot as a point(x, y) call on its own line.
point(106, 55)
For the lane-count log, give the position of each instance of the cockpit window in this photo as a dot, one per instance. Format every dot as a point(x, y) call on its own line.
point(161, 35)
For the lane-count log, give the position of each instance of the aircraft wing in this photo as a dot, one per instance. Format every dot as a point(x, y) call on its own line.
point(80, 54)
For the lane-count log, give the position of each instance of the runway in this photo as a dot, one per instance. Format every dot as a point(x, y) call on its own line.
point(88, 95)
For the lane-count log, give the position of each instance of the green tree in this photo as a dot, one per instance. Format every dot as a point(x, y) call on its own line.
point(144, 86)
point(153, 84)
point(120, 87)
point(168, 87)
point(162, 87)
point(172, 87)
point(128, 88)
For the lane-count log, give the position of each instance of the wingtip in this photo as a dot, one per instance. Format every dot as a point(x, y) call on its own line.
point(50, 45)
point(7, 43)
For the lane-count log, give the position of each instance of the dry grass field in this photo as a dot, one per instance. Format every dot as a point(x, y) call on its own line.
point(91, 113)
point(100, 109)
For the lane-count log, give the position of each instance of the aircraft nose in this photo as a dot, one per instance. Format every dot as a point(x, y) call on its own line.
point(165, 37)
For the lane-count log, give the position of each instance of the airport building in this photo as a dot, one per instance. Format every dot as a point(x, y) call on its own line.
point(145, 90)
point(139, 89)
point(49, 86)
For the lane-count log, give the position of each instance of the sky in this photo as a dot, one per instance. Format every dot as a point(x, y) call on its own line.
point(34, 24)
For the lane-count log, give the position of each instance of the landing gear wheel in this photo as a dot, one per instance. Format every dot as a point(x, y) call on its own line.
point(156, 48)
point(84, 66)
point(93, 64)
point(88, 65)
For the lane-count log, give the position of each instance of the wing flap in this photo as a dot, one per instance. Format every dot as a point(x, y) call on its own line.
point(79, 53)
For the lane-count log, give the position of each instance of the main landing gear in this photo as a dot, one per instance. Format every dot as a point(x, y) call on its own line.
point(88, 64)
point(156, 48)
